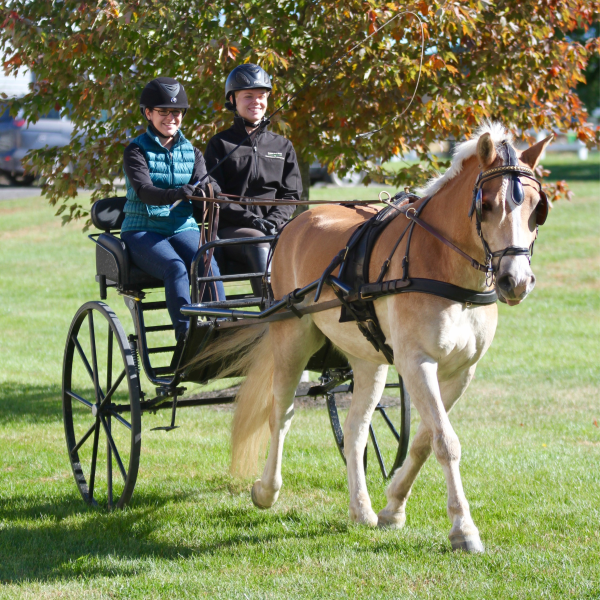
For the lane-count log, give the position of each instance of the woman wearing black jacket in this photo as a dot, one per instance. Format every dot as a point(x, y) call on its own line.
point(264, 166)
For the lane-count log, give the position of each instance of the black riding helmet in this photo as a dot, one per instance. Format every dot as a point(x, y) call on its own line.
point(245, 77)
point(163, 92)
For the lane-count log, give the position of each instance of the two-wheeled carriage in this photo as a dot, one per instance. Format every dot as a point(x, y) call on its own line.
point(102, 394)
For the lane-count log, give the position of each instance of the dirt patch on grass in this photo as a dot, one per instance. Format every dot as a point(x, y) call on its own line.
point(36, 232)
point(574, 273)
point(302, 401)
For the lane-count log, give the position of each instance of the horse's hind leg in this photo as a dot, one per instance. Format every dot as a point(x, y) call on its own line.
point(293, 343)
point(433, 402)
point(393, 515)
point(369, 383)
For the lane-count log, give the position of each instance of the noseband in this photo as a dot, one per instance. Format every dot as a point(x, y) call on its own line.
point(515, 193)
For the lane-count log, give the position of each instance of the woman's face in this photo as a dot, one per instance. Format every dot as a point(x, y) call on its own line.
point(252, 104)
point(166, 120)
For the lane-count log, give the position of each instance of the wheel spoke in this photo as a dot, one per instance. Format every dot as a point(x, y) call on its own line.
point(94, 457)
point(83, 439)
point(109, 467)
point(114, 449)
point(377, 451)
point(119, 418)
point(389, 423)
point(83, 358)
point(109, 352)
point(79, 399)
point(112, 390)
point(99, 394)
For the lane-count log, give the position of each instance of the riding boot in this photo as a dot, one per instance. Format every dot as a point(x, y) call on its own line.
point(256, 259)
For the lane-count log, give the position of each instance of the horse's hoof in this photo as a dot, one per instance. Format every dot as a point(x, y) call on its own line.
point(364, 518)
point(389, 520)
point(467, 543)
point(255, 501)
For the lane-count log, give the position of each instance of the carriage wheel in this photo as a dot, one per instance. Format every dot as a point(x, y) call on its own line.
point(101, 407)
point(389, 445)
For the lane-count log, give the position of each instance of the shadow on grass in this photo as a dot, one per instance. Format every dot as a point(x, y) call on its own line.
point(61, 540)
point(29, 403)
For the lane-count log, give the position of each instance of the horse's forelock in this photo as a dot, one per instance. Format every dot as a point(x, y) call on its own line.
point(464, 151)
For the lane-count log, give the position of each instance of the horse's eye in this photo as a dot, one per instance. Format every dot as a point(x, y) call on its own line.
point(486, 206)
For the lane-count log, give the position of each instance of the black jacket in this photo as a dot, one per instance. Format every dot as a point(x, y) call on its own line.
point(264, 166)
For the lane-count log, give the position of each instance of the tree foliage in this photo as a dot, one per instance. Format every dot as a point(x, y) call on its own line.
point(503, 60)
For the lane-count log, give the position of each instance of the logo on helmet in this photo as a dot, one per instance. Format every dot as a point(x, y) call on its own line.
point(171, 88)
point(242, 78)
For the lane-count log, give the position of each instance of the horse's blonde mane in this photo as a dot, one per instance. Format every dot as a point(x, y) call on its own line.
point(464, 151)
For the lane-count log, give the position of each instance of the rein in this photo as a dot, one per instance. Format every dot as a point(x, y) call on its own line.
point(262, 202)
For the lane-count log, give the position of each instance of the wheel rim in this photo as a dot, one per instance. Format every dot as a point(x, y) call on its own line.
point(101, 407)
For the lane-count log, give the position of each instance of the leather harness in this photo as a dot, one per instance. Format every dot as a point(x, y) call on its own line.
point(357, 295)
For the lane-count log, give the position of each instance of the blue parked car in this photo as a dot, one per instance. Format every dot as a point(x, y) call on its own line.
point(17, 137)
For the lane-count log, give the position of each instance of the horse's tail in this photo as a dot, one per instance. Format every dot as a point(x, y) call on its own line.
point(254, 401)
point(246, 351)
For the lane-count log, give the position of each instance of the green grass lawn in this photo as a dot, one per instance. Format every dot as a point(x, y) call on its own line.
point(528, 425)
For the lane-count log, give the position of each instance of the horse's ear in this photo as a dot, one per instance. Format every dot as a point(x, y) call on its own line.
point(486, 150)
point(531, 156)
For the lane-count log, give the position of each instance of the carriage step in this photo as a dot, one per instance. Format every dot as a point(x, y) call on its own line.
point(166, 428)
point(154, 305)
point(241, 277)
point(161, 349)
point(254, 301)
point(159, 328)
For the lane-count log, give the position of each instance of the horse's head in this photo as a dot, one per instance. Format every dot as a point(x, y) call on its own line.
point(509, 205)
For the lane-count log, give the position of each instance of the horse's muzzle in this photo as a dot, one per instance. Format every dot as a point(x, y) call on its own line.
point(512, 288)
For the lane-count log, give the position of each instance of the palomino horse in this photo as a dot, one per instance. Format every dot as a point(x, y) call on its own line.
point(436, 342)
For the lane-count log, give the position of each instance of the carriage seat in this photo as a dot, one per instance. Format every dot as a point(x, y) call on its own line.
point(113, 264)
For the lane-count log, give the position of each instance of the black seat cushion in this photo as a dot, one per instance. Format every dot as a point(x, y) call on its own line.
point(107, 214)
point(112, 257)
point(112, 261)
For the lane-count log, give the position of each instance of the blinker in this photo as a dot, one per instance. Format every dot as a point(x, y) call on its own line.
point(518, 194)
point(479, 204)
point(541, 210)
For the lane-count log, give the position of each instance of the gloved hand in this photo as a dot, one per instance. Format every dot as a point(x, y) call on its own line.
point(184, 191)
point(199, 191)
point(267, 227)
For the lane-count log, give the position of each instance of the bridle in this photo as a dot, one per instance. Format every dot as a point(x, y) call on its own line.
point(515, 192)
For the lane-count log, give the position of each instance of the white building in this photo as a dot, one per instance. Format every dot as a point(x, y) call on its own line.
point(15, 86)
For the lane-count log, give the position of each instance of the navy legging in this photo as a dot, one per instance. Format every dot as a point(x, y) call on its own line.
point(169, 258)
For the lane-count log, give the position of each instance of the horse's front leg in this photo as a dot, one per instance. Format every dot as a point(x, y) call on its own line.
point(369, 383)
point(434, 401)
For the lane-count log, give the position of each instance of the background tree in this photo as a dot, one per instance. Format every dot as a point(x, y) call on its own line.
point(502, 60)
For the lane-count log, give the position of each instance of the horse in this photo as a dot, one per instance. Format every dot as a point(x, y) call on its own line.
point(436, 342)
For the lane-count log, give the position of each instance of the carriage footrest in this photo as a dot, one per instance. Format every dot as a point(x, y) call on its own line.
point(321, 390)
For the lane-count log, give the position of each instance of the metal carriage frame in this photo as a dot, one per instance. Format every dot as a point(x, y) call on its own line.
point(102, 396)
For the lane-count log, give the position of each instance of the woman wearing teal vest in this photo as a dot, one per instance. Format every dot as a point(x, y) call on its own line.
point(161, 168)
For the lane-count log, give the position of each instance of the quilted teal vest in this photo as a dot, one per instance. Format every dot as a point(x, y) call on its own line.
point(168, 169)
